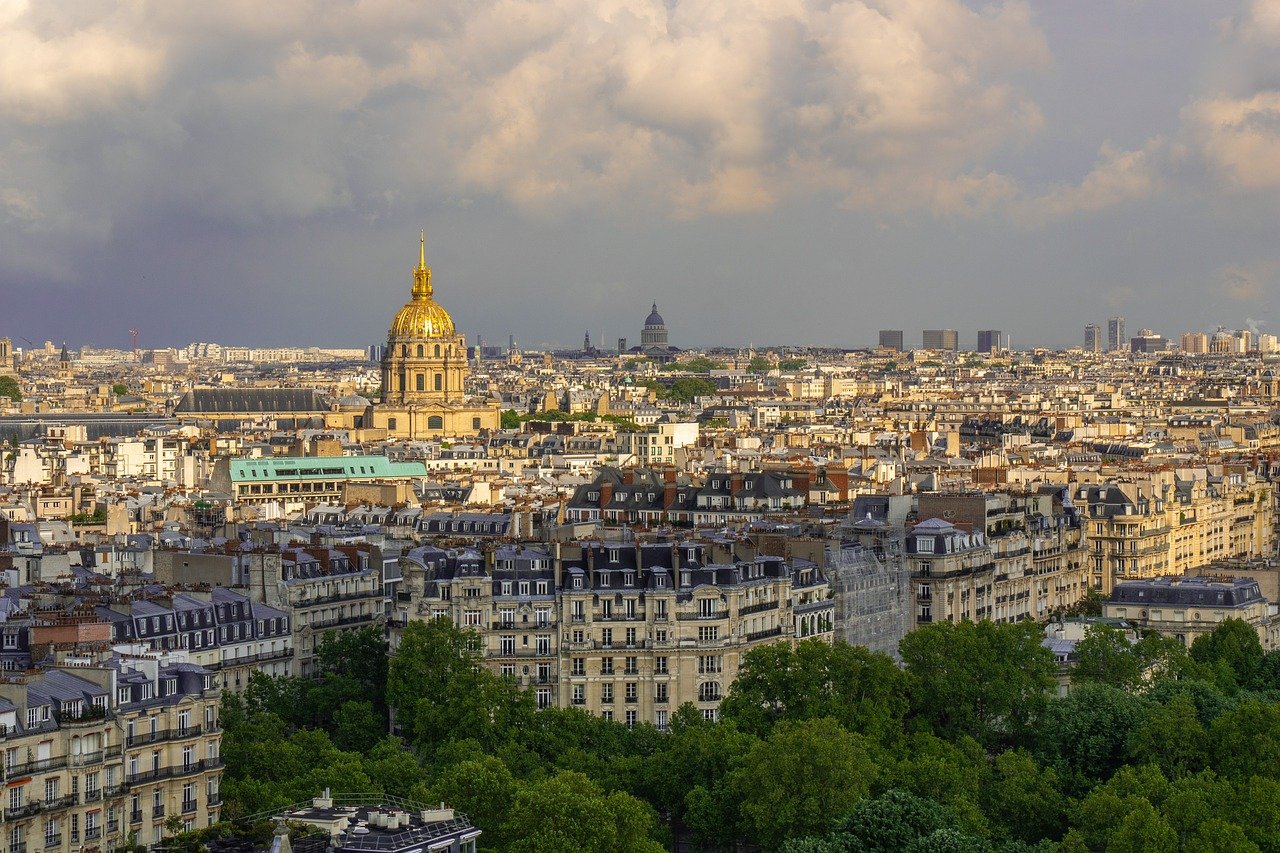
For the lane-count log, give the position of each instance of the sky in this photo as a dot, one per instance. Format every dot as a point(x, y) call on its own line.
point(768, 171)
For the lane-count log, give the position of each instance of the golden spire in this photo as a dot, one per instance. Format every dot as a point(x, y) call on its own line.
point(422, 275)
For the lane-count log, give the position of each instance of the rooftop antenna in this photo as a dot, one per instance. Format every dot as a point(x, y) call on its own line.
point(133, 341)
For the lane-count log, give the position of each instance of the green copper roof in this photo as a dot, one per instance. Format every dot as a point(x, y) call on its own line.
point(322, 468)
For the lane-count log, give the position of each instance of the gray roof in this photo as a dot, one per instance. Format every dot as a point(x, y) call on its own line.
point(253, 400)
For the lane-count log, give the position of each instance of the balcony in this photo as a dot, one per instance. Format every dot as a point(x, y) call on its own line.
point(135, 817)
point(157, 811)
point(702, 617)
point(188, 806)
point(93, 796)
point(757, 608)
point(763, 635)
point(86, 759)
point(32, 807)
point(30, 768)
point(92, 832)
point(116, 790)
point(54, 840)
point(213, 800)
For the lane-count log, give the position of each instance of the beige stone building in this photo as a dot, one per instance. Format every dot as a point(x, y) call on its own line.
point(626, 631)
point(1168, 523)
point(102, 749)
point(1186, 607)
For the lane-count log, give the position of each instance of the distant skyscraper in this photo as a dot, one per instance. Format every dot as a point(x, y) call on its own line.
point(1115, 334)
point(1093, 338)
point(942, 339)
point(891, 339)
point(989, 340)
point(1195, 343)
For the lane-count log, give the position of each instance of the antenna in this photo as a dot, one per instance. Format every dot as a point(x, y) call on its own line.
point(133, 341)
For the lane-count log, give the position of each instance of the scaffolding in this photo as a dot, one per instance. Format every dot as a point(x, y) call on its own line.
point(871, 589)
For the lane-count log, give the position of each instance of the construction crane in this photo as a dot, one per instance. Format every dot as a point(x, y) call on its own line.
point(133, 339)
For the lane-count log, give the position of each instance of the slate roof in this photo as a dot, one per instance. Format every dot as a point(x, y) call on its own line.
point(217, 401)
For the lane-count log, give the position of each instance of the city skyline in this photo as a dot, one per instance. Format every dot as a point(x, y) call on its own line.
point(1026, 167)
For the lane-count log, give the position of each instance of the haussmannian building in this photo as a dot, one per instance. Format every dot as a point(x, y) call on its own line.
point(1165, 524)
point(100, 750)
point(626, 631)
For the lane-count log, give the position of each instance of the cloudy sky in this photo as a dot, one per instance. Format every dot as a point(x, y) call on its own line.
point(769, 171)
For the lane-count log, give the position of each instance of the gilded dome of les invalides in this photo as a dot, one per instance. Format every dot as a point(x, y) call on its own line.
point(422, 317)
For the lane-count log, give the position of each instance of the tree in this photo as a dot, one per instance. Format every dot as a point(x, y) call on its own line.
point(1234, 643)
point(982, 679)
point(686, 389)
point(1172, 737)
point(862, 690)
point(119, 389)
point(483, 789)
point(759, 364)
point(1022, 801)
point(894, 821)
point(357, 727)
point(441, 691)
point(570, 812)
point(1106, 656)
point(1084, 735)
point(697, 755)
point(792, 364)
point(803, 780)
point(510, 419)
point(1246, 740)
point(9, 388)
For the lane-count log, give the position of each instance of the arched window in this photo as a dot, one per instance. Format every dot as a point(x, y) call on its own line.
point(419, 350)
point(437, 350)
point(422, 382)
point(404, 350)
point(435, 422)
point(391, 423)
point(709, 691)
point(439, 382)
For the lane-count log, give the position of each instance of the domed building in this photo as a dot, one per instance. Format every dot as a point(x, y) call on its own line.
point(653, 338)
point(424, 372)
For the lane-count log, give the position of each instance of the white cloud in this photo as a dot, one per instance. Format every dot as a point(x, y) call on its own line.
point(250, 114)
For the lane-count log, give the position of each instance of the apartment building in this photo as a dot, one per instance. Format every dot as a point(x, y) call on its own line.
point(108, 746)
point(316, 588)
point(628, 631)
point(1013, 558)
point(220, 629)
point(296, 481)
point(1168, 523)
point(1186, 607)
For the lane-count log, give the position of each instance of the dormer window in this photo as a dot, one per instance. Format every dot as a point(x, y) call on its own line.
point(613, 555)
point(604, 579)
point(122, 696)
point(577, 582)
point(628, 579)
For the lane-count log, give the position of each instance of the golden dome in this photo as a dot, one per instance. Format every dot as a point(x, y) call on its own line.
point(422, 317)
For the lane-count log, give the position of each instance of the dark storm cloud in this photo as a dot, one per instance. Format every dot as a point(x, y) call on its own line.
point(768, 171)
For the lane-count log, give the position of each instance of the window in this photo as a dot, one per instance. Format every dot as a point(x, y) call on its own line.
point(606, 693)
point(606, 715)
point(660, 666)
point(708, 634)
point(421, 381)
point(579, 666)
point(606, 637)
point(391, 423)
point(475, 423)
point(543, 645)
point(471, 619)
point(708, 664)
point(660, 692)
point(435, 422)
point(542, 587)
point(631, 719)
point(606, 666)
point(506, 587)
point(507, 645)
point(632, 691)
point(709, 691)
point(439, 382)
point(660, 720)
point(579, 694)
